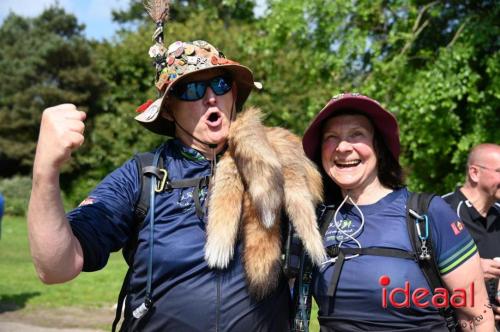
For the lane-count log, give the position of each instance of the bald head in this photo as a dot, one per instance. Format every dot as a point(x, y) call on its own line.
point(480, 153)
point(483, 174)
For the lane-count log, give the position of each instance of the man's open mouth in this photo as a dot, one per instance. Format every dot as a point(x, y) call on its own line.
point(213, 117)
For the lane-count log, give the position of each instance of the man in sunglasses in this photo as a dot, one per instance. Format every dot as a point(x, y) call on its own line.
point(203, 259)
point(477, 203)
point(202, 92)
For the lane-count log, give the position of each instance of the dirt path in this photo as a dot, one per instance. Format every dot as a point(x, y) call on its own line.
point(61, 319)
point(15, 327)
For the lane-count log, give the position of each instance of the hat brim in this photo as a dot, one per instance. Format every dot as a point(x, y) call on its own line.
point(151, 118)
point(383, 121)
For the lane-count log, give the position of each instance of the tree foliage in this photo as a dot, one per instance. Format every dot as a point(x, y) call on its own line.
point(182, 10)
point(43, 62)
point(435, 64)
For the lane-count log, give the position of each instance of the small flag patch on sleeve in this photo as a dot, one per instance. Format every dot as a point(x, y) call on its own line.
point(87, 201)
point(457, 227)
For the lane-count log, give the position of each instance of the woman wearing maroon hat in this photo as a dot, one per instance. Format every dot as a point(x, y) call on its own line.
point(373, 279)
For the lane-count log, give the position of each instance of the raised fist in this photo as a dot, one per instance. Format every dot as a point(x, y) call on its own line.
point(61, 132)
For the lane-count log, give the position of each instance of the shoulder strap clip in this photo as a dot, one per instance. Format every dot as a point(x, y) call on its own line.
point(161, 184)
point(160, 173)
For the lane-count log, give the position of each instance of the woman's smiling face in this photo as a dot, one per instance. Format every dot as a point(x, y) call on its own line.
point(347, 151)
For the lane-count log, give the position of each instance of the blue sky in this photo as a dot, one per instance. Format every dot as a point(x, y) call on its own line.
point(95, 14)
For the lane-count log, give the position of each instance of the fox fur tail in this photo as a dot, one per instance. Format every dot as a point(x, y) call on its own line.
point(263, 173)
point(224, 206)
point(258, 164)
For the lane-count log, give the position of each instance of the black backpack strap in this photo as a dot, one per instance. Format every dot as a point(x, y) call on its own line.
point(340, 254)
point(121, 299)
point(325, 219)
point(334, 251)
point(197, 184)
point(188, 183)
point(144, 160)
point(145, 169)
point(416, 208)
point(292, 252)
point(302, 296)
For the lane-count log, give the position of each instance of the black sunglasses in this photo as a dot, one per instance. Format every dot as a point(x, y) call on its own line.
point(192, 91)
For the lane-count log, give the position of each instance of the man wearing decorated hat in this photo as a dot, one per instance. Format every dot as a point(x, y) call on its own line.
point(201, 218)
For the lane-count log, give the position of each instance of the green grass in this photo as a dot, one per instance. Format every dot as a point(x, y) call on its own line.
point(21, 287)
point(314, 324)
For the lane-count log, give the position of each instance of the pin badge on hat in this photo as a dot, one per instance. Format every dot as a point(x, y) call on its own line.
point(192, 60)
point(172, 48)
point(156, 50)
point(152, 111)
point(178, 52)
point(189, 49)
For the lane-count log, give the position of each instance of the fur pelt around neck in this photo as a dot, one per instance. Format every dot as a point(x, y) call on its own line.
point(263, 173)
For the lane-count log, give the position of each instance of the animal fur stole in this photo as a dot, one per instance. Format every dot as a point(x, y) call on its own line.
point(263, 172)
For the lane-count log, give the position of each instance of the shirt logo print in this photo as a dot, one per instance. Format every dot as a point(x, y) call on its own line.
point(346, 228)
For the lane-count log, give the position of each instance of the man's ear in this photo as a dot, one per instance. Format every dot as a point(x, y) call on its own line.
point(474, 173)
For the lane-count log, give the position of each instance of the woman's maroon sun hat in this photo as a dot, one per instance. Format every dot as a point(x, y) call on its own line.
point(385, 123)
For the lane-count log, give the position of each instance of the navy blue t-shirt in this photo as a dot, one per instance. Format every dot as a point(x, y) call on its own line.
point(187, 295)
point(357, 305)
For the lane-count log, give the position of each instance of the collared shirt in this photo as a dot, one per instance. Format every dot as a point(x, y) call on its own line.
point(484, 231)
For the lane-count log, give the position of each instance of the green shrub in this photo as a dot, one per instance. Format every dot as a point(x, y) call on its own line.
point(79, 190)
point(16, 191)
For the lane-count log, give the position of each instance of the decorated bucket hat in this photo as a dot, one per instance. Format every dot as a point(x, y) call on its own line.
point(177, 62)
point(383, 120)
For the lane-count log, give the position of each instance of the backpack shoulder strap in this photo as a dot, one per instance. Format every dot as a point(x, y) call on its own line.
point(419, 203)
point(141, 208)
point(325, 218)
point(144, 161)
point(302, 289)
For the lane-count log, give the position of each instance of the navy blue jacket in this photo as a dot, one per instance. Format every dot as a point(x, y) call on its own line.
point(187, 295)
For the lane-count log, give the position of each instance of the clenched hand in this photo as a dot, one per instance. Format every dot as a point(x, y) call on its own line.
point(61, 133)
